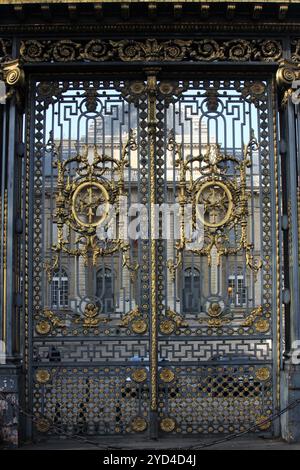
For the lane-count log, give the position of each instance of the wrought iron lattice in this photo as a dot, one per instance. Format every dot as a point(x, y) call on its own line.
point(180, 325)
point(89, 290)
point(217, 278)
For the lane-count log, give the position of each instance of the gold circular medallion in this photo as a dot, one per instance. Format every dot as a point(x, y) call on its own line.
point(139, 424)
point(90, 204)
point(167, 327)
point(139, 326)
point(264, 425)
point(137, 87)
point(214, 204)
point(42, 376)
point(214, 310)
point(263, 373)
point(257, 88)
point(166, 88)
point(167, 424)
point(43, 425)
point(262, 326)
point(166, 375)
point(139, 375)
point(43, 327)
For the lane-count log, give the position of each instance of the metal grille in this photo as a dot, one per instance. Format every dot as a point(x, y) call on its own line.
point(216, 154)
point(214, 399)
point(89, 291)
point(175, 331)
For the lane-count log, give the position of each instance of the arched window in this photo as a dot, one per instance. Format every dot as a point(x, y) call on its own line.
point(191, 291)
point(105, 289)
point(60, 289)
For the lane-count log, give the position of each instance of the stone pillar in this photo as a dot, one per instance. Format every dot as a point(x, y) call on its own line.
point(287, 74)
point(11, 228)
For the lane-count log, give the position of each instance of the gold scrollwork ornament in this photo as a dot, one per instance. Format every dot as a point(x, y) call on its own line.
point(129, 317)
point(139, 326)
point(91, 317)
point(134, 320)
point(139, 375)
point(43, 327)
point(14, 77)
point(167, 424)
point(13, 73)
point(43, 425)
point(171, 322)
point(166, 375)
point(214, 310)
point(286, 74)
point(263, 422)
point(83, 200)
point(263, 374)
point(223, 199)
point(167, 327)
point(139, 424)
point(262, 325)
point(250, 319)
point(42, 376)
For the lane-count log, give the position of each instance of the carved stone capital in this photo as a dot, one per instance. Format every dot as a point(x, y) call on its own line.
point(13, 75)
point(287, 72)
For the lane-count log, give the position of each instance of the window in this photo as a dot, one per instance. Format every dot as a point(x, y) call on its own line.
point(60, 289)
point(191, 291)
point(237, 290)
point(104, 290)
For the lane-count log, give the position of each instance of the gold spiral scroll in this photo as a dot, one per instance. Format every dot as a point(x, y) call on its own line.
point(13, 75)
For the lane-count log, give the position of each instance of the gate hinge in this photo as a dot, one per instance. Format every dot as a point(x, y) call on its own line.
point(21, 149)
point(19, 226)
point(282, 147)
point(284, 222)
point(286, 296)
point(19, 300)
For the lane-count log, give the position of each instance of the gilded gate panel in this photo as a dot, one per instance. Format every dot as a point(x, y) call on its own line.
point(216, 327)
point(176, 321)
point(90, 312)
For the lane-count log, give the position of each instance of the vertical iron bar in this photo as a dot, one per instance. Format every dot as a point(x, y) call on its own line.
point(293, 228)
point(151, 84)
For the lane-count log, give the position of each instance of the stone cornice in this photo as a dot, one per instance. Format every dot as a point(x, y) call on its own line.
point(149, 16)
point(189, 27)
point(32, 2)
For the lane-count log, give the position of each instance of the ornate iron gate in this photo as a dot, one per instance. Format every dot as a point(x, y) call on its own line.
point(172, 330)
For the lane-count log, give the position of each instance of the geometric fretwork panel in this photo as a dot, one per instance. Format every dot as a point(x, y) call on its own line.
point(216, 399)
point(90, 400)
point(90, 351)
point(185, 351)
